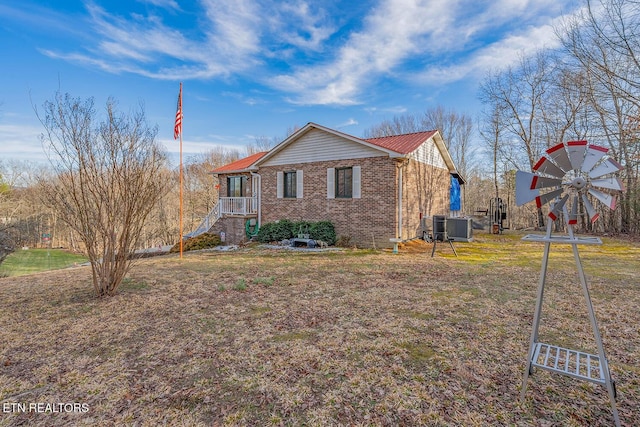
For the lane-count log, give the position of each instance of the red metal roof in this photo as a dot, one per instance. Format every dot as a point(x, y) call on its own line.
point(240, 165)
point(403, 144)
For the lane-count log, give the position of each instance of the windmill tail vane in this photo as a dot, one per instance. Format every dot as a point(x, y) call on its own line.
point(569, 174)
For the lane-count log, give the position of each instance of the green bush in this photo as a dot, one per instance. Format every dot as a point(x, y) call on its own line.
point(275, 231)
point(323, 230)
point(203, 241)
point(265, 232)
point(301, 227)
point(285, 229)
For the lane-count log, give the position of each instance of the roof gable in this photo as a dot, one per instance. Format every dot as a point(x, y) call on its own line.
point(367, 149)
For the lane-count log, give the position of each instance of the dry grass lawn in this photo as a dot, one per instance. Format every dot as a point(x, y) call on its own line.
point(266, 337)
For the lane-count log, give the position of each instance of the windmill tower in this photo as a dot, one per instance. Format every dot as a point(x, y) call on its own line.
point(564, 178)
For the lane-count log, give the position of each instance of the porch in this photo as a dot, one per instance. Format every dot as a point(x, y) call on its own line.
point(233, 206)
point(237, 206)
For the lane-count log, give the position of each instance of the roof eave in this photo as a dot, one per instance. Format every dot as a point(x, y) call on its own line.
point(446, 156)
point(234, 171)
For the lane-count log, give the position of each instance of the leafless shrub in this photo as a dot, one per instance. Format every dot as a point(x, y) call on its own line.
point(108, 175)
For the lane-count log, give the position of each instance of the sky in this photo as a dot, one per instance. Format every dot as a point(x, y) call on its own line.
point(258, 68)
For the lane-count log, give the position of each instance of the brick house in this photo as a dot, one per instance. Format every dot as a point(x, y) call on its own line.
point(371, 189)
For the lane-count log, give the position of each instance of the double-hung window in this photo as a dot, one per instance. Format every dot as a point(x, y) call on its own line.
point(290, 184)
point(344, 183)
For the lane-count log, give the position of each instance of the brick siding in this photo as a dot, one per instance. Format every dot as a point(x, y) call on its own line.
point(426, 192)
point(368, 221)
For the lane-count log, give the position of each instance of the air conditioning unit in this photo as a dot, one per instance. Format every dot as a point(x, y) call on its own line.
point(460, 229)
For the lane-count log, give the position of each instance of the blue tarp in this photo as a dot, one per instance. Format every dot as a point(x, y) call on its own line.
point(454, 194)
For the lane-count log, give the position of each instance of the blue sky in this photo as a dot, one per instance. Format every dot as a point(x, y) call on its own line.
point(254, 68)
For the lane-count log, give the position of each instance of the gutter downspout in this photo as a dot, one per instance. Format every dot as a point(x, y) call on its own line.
point(258, 196)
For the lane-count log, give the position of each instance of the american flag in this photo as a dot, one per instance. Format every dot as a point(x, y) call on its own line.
point(177, 129)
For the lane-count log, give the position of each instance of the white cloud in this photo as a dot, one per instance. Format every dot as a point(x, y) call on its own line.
point(167, 4)
point(247, 37)
point(435, 32)
point(349, 122)
point(141, 45)
point(21, 142)
point(495, 56)
point(393, 31)
point(302, 25)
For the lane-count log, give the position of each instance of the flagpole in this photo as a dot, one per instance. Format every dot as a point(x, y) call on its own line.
point(181, 184)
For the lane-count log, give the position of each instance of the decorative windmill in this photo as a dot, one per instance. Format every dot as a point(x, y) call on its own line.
point(569, 173)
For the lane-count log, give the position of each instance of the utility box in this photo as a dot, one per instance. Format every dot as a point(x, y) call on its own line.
point(460, 229)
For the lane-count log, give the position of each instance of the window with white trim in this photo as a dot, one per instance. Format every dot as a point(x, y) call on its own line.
point(344, 183)
point(289, 184)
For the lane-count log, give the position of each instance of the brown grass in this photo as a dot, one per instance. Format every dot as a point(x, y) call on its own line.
point(263, 337)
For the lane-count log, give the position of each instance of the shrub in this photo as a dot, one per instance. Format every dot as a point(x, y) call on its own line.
point(323, 230)
point(285, 229)
point(203, 241)
point(275, 231)
point(265, 232)
point(301, 227)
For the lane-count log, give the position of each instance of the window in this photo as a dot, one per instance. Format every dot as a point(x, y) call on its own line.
point(290, 184)
point(344, 182)
point(236, 186)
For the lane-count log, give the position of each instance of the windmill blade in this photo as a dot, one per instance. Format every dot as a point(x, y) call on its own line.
point(607, 166)
point(559, 155)
point(547, 197)
point(607, 199)
point(593, 216)
point(524, 190)
point(573, 215)
point(576, 151)
point(543, 182)
point(611, 183)
point(557, 207)
point(545, 166)
point(593, 154)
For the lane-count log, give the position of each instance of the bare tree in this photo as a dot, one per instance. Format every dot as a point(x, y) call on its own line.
point(491, 129)
point(262, 143)
point(399, 125)
point(456, 130)
point(107, 176)
point(520, 95)
point(603, 43)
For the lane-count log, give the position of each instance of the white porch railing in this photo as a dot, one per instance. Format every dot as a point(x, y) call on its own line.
point(226, 205)
point(237, 205)
point(207, 222)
